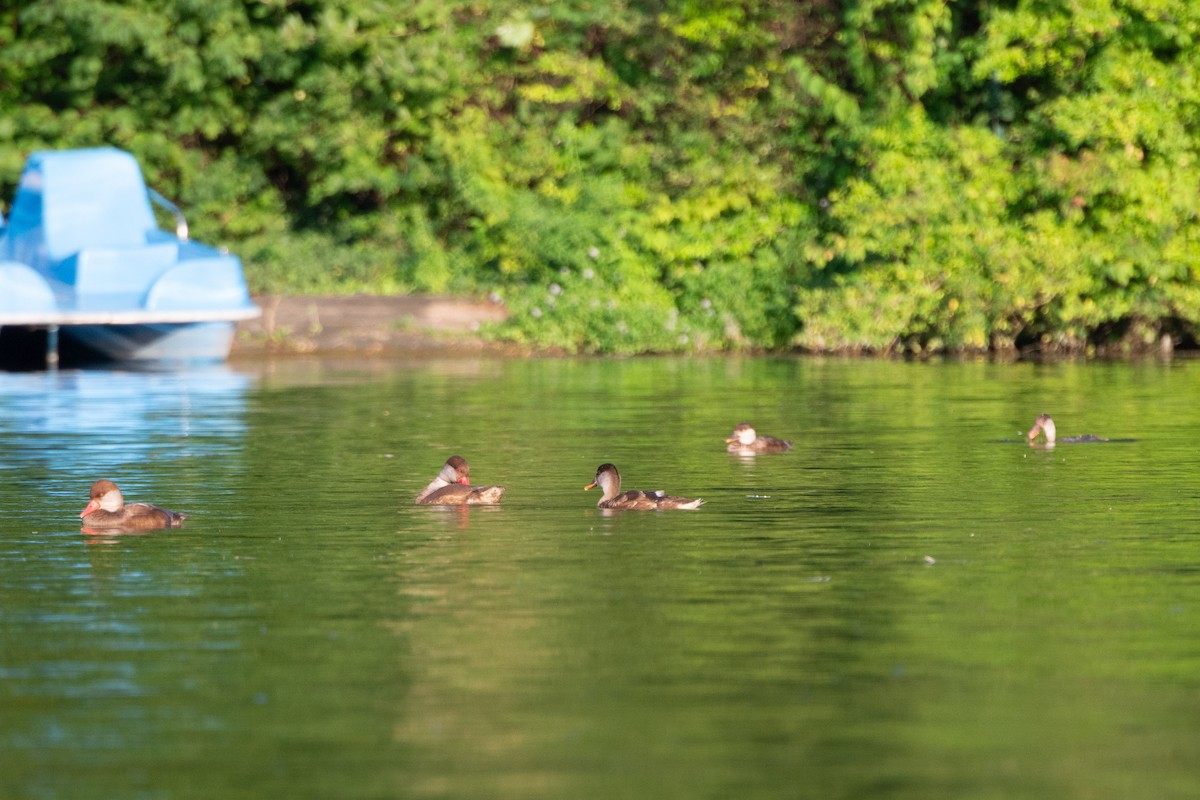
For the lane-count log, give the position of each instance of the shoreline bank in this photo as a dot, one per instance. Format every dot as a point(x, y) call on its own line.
point(442, 325)
point(368, 325)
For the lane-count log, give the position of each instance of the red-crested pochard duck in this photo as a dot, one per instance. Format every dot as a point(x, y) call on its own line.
point(107, 509)
point(609, 481)
point(746, 441)
point(452, 487)
point(1045, 426)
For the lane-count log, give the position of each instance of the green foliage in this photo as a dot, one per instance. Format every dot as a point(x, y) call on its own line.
point(312, 263)
point(1074, 230)
point(686, 175)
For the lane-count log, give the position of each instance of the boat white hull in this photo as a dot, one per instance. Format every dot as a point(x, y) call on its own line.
point(191, 343)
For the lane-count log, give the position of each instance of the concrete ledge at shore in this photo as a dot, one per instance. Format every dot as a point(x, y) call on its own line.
point(366, 324)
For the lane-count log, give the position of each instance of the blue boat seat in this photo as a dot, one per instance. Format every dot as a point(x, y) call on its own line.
point(125, 272)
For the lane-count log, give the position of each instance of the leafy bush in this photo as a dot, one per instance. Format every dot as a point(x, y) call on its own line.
point(677, 176)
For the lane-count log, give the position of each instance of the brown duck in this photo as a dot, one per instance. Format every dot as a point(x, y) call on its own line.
point(107, 509)
point(452, 487)
point(609, 481)
point(746, 441)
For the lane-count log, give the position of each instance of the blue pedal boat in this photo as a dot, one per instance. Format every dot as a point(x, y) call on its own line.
point(84, 263)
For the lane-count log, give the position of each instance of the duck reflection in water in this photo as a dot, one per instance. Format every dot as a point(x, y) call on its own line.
point(1044, 434)
point(452, 487)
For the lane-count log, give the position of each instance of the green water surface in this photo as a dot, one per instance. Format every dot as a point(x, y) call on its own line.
point(910, 604)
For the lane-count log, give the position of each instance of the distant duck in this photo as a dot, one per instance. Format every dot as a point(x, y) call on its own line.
point(609, 481)
point(452, 487)
point(746, 441)
point(107, 510)
point(1045, 426)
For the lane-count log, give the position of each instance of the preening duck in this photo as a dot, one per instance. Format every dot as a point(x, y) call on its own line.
point(452, 487)
point(1044, 426)
point(746, 441)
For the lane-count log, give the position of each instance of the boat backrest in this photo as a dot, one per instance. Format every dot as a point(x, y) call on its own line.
point(71, 200)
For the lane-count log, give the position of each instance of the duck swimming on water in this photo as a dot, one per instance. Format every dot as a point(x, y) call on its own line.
point(746, 441)
point(107, 510)
point(609, 481)
point(452, 487)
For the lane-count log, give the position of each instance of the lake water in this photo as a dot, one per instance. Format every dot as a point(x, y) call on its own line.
point(910, 604)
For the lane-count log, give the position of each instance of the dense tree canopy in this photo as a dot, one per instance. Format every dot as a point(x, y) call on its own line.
point(672, 175)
